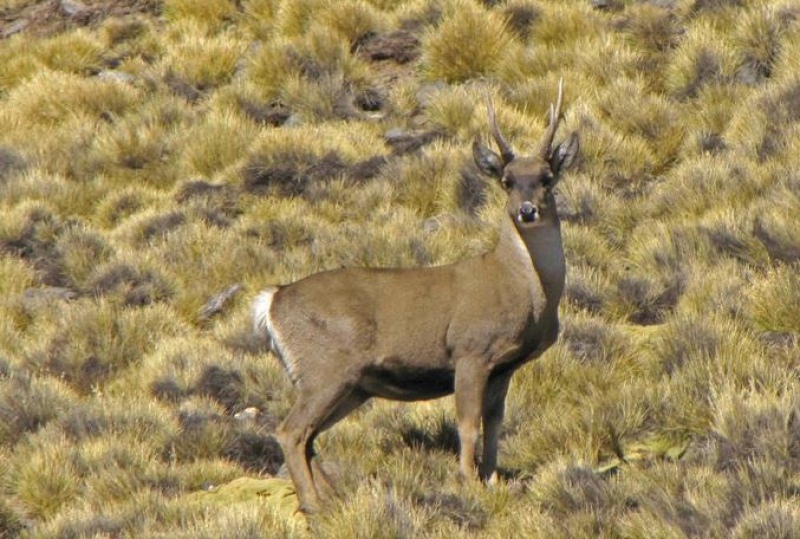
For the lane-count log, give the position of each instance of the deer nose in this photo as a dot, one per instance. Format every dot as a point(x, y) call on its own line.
point(528, 212)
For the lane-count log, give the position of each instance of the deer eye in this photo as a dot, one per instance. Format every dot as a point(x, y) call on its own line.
point(507, 182)
point(548, 180)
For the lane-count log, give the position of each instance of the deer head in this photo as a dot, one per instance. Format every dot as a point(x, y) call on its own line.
point(528, 180)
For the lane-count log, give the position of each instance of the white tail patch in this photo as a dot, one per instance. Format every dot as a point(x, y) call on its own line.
point(262, 323)
point(261, 307)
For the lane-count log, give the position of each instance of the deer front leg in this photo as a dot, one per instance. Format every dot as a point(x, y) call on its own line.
point(493, 411)
point(470, 388)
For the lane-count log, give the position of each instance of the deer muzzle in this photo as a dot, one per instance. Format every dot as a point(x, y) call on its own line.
point(528, 212)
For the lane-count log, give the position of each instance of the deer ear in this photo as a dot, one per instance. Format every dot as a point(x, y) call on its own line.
point(564, 154)
point(488, 162)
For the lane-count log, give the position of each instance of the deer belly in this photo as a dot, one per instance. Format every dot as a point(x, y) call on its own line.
point(407, 383)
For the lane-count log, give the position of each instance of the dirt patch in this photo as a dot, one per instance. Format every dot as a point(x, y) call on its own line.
point(135, 286)
point(582, 295)
point(367, 169)
point(223, 385)
point(181, 87)
point(782, 110)
point(26, 406)
point(444, 437)
point(370, 99)
point(246, 342)
point(401, 46)
point(160, 225)
point(778, 248)
point(707, 69)
point(194, 189)
point(54, 16)
point(167, 390)
point(205, 434)
point(290, 174)
point(84, 374)
point(712, 143)
point(707, 5)
point(403, 142)
point(11, 162)
point(591, 341)
point(651, 302)
point(215, 204)
point(274, 113)
point(521, 18)
point(36, 243)
point(787, 104)
point(255, 452)
point(655, 30)
point(301, 174)
point(724, 241)
point(81, 422)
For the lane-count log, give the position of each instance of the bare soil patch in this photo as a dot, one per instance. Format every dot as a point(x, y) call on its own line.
point(54, 16)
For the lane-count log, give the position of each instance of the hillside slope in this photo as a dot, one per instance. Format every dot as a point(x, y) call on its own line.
point(162, 161)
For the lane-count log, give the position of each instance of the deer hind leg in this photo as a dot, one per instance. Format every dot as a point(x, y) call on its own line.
point(493, 412)
point(470, 389)
point(311, 413)
point(349, 403)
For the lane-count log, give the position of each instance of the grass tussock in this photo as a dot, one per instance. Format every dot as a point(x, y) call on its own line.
point(44, 482)
point(29, 403)
point(161, 162)
point(699, 62)
point(219, 143)
point(198, 62)
point(469, 42)
point(88, 345)
point(208, 15)
point(52, 96)
point(772, 300)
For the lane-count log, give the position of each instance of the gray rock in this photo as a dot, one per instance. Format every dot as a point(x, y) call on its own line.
point(15, 28)
point(118, 76)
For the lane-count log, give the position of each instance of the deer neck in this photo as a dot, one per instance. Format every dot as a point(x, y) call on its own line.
point(541, 252)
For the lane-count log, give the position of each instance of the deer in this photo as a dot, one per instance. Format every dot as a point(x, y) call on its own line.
point(347, 335)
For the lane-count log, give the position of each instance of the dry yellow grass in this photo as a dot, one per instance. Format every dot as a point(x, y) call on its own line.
point(154, 154)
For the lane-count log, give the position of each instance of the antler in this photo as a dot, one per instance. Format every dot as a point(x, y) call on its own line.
point(506, 152)
point(546, 146)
